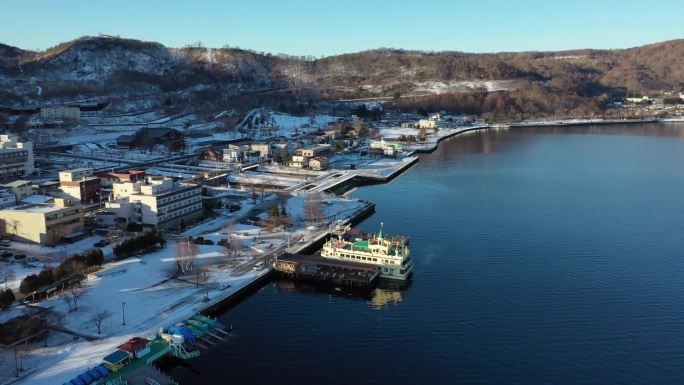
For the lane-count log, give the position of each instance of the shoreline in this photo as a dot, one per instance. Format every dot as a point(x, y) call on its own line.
point(590, 122)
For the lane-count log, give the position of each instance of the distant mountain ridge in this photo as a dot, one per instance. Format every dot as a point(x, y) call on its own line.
point(91, 65)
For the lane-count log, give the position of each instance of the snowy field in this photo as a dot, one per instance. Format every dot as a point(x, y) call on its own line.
point(395, 132)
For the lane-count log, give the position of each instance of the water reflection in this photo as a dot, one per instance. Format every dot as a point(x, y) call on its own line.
point(386, 294)
point(383, 298)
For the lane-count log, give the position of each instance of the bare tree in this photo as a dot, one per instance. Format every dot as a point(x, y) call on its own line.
point(231, 241)
point(423, 133)
point(313, 209)
point(100, 317)
point(7, 274)
point(186, 253)
point(75, 294)
point(67, 299)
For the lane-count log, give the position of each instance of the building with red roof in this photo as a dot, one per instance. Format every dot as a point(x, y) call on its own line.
point(136, 347)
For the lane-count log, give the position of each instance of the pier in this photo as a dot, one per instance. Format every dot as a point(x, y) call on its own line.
point(327, 271)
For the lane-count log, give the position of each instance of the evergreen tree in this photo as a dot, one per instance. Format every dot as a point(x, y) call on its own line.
point(6, 299)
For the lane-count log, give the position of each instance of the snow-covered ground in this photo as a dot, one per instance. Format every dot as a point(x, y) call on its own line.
point(334, 208)
point(287, 125)
point(103, 119)
point(436, 87)
point(38, 257)
point(396, 132)
point(251, 177)
point(152, 300)
point(104, 151)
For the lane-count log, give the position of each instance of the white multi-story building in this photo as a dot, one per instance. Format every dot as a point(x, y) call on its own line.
point(16, 158)
point(158, 201)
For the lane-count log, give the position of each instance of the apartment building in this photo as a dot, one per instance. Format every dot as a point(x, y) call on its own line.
point(46, 223)
point(158, 201)
point(80, 184)
point(16, 158)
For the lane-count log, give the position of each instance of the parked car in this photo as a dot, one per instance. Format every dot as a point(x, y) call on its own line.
point(6, 254)
point(101, 243)
point(20, 256)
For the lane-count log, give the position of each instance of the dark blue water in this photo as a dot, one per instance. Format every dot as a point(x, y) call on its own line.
point(543, 256)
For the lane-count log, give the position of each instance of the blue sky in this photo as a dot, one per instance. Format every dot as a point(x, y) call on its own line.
point(324, 27)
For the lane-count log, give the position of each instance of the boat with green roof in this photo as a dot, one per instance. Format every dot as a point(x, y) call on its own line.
point(390, 254)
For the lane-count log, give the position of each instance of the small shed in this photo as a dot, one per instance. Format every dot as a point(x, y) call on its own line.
point(116, 360)
point(136, 347)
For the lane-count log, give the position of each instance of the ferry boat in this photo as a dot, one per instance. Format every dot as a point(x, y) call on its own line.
point(390, 254)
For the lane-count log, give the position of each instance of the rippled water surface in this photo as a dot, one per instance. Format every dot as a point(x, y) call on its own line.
point(543, 256)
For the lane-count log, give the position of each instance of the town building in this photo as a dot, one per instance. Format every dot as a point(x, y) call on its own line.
point(60, 112)
point(389, 149)
point(299, 161)
point(427, 123)
point(45, 223)
point(263, 149)
point(318, 163)
point(148, 137)
point(115, 361)
point(19, 188)
point(80, 184)
point(107, 220)
point(7, 199)
point(318, 150)
point(16, 158)
point(136, 347)
point(107, 179)
point(233, 154)
point(158, 201)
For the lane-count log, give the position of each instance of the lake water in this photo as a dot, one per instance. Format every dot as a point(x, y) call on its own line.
point(543, 256)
